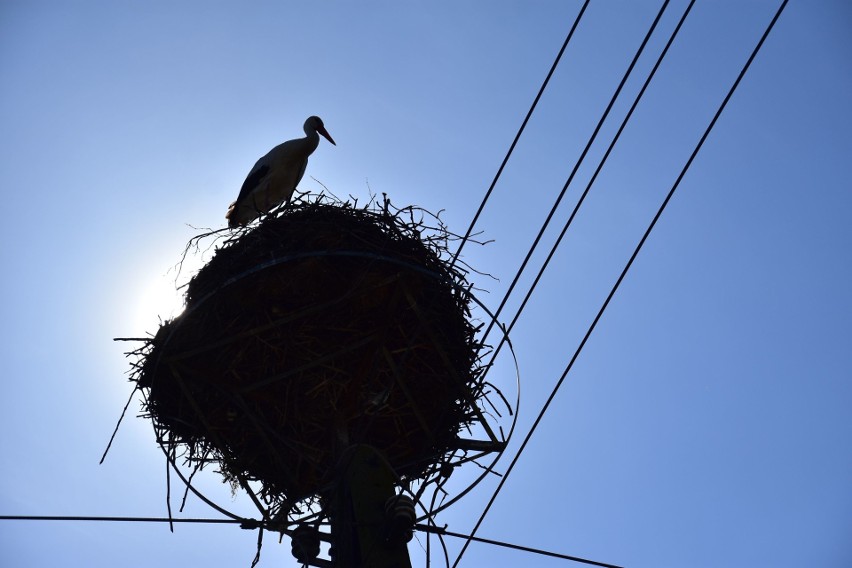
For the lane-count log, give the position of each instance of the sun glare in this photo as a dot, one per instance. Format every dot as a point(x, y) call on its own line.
point(158, 301)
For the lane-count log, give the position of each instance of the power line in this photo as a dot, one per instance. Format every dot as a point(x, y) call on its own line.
point(520, 131)
point(579, 162)
point(544, 226)
point(123, 519)
point(592, 180)
point(444, 532)
point(622, 275)
point(253, 524)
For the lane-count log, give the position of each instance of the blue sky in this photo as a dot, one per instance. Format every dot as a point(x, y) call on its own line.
point(706, 423)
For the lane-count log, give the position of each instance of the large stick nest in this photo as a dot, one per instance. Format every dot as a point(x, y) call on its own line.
point(324, 326)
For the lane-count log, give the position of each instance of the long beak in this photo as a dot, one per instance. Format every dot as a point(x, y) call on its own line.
point(325, 134)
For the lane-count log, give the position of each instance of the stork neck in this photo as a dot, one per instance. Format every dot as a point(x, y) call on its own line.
point(311, 138)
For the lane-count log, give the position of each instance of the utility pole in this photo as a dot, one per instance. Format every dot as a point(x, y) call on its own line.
point(370, 524)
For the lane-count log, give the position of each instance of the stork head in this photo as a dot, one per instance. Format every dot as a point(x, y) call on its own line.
point(314, 124)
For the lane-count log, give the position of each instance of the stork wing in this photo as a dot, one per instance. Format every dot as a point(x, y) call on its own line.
point(253, 180)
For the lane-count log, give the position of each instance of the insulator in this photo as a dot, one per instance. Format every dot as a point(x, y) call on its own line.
point(400, 515)
point(305, 543)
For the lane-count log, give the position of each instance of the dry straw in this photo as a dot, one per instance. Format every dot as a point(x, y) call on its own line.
point(325, 325)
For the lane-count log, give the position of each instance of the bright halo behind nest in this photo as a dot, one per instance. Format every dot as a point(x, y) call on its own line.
point(158, 301)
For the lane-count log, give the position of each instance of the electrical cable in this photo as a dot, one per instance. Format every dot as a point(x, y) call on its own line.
point(621, 276)
point(520, 131)
point(441, 531)
point(579, 162)
point(249, 524)
point(120, 519)
point(594, 177)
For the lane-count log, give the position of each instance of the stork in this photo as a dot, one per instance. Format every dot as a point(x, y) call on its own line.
point(274, 177)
